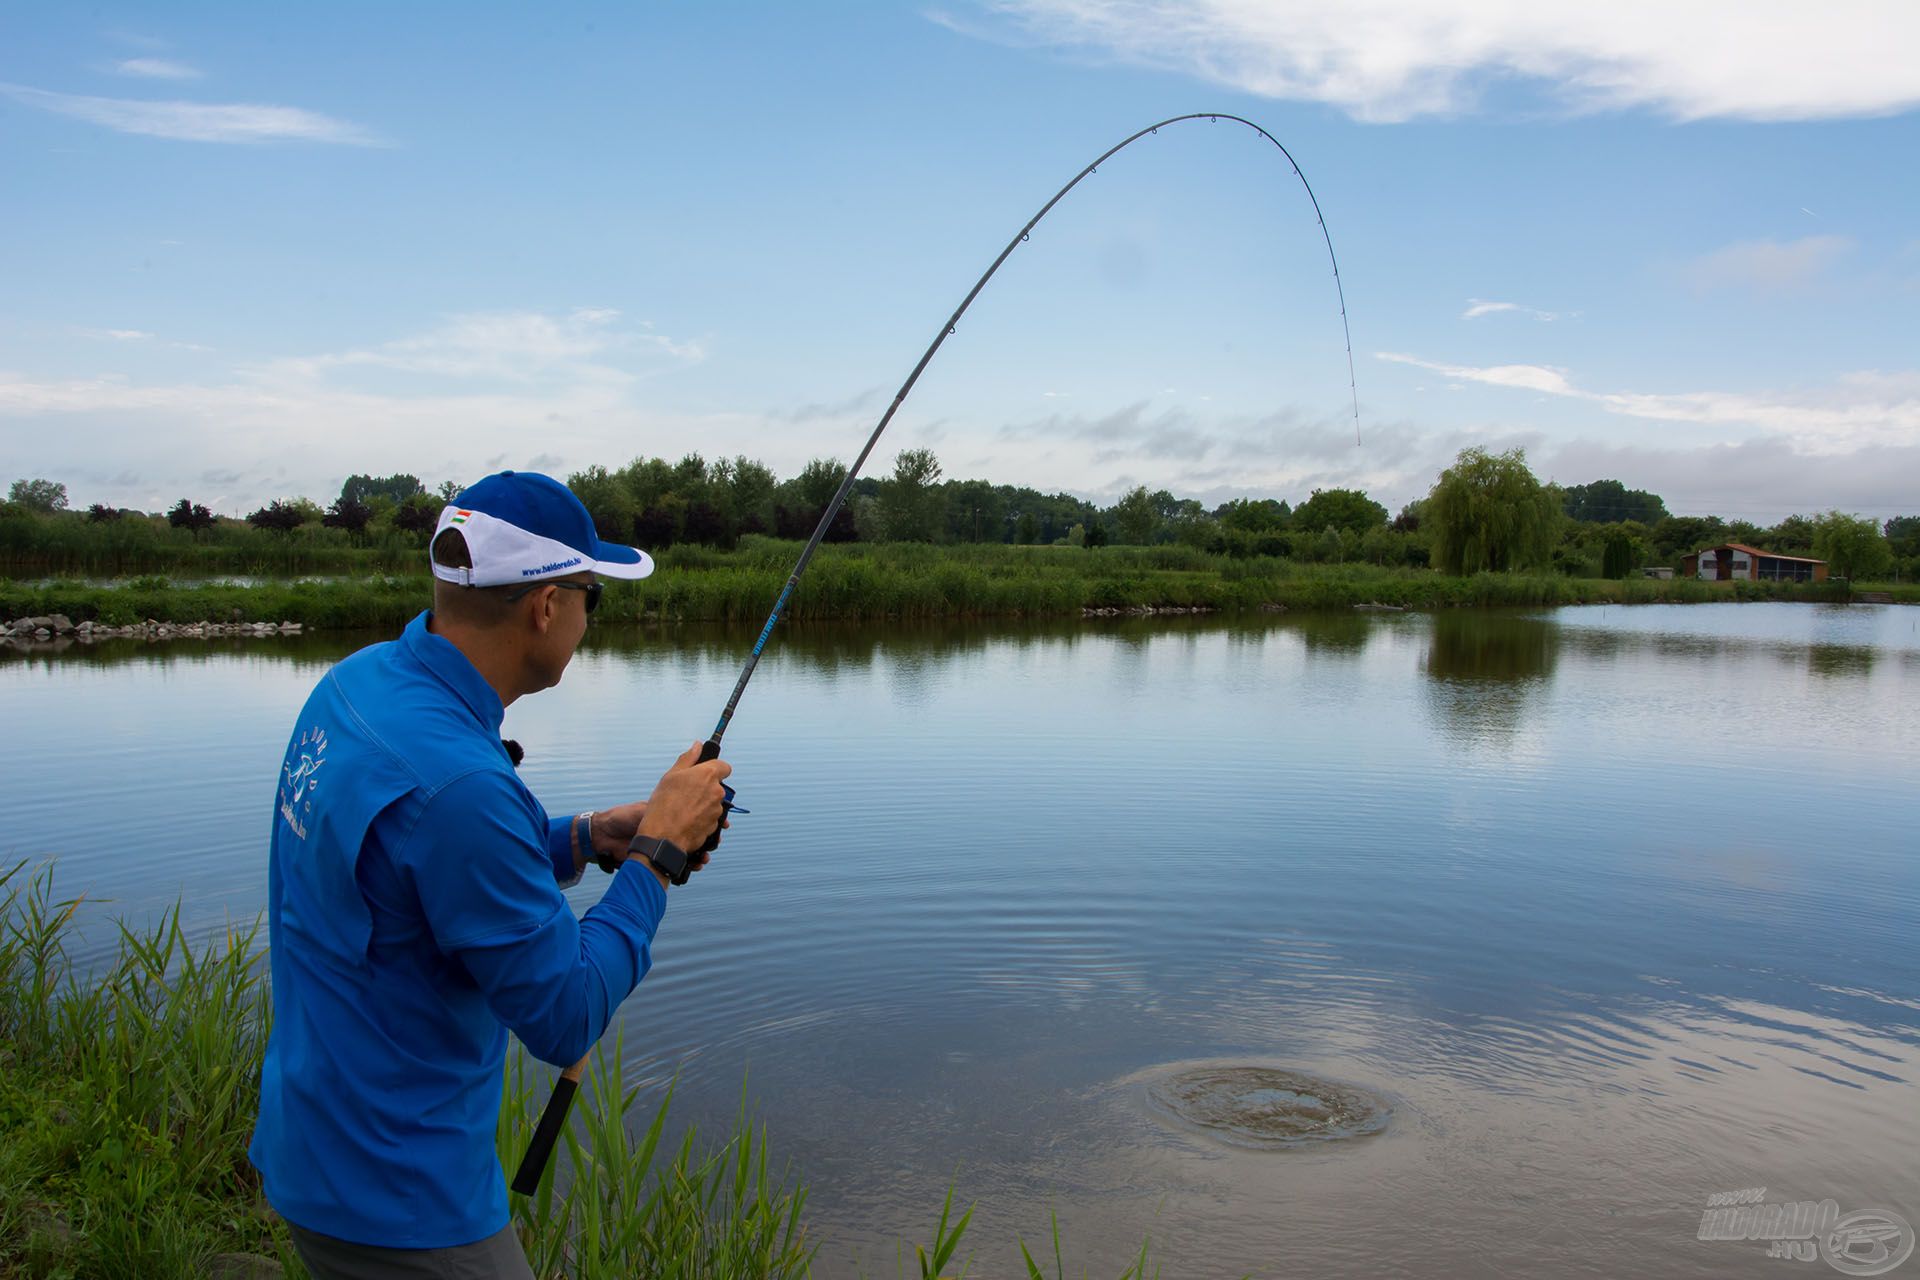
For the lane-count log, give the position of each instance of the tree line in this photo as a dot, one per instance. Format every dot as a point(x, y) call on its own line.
point(1486, 512)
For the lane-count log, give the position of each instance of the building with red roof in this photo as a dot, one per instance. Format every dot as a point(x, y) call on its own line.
point(1738, 562)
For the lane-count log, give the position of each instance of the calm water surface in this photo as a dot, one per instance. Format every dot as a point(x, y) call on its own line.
point(1619, 907)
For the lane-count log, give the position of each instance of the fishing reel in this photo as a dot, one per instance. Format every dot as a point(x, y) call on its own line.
point(727, 809)
point(610, 862)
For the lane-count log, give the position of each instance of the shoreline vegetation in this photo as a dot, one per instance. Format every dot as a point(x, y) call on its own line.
point(859, 582)
point(915, 546)
point(128, 1091)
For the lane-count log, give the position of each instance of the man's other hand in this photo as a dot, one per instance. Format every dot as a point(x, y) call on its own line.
point(613, 830)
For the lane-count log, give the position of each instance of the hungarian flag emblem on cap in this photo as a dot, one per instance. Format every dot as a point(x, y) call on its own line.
point(459, 516)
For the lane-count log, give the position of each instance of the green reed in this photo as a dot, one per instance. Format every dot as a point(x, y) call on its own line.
point(128, 1096)
point(863, 582)
point(67, 543)
point(626, 1207)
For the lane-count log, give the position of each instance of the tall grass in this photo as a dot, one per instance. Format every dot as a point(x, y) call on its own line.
point(128, 1096)
point(904, 581)
point(348, 604)
point(630, 1209)
point(67, 543)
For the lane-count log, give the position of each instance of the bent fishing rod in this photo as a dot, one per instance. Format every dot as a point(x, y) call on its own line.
point(540, 1150)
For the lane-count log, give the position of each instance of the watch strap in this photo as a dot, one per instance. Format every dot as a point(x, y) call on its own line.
point(671, 860)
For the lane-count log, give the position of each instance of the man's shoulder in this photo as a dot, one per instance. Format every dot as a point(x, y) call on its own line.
point(391, 705)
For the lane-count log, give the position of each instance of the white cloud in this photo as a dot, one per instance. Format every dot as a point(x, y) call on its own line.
point(1129, 432)
point(1477, 307)
point(136, 443)
point(510, 385)
point(156, 69)
point(112, 439)
point(476, 392)
point(137, 335)
point(1760, 480)
point(197, 121)
point(139, 40)
point(511, 346)
point(857, 407)
point(1864, 408)
point(1397, 59)
point(1526, 377)
point(1768, 266)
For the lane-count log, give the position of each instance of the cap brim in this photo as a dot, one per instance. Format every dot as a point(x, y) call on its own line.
point(611, 560)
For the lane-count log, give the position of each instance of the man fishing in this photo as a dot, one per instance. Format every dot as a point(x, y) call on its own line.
point(415, 908)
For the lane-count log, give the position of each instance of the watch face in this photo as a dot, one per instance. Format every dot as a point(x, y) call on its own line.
point(669, 857)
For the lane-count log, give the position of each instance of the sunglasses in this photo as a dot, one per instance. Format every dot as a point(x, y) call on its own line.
point(593, 590)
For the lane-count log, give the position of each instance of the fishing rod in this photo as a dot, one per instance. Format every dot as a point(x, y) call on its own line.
point(540, 1150)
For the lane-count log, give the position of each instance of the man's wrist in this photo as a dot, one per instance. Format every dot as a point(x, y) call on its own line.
point(666, 881)
point(665, 857)
point(580, 837)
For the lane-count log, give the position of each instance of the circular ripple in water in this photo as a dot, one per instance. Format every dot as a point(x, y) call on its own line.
point(1268, 1107)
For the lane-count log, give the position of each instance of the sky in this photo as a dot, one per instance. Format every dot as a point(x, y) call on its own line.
point(248, 250)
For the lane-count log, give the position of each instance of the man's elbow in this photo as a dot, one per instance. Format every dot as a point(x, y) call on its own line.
point(560, 1042)
point(566, 1031)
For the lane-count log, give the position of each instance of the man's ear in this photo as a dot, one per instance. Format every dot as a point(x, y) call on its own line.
point(543, 600)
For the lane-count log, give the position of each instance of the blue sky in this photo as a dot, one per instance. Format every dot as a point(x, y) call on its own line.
point(247, 250)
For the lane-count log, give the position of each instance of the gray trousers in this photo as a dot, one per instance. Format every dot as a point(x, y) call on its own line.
point(498, 1257)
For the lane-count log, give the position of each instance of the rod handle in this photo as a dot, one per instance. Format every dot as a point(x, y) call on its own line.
point(526, 1180)
point(710, 750)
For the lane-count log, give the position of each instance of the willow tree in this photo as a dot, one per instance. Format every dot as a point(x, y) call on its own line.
point(1490, 512)
point(1852, 546)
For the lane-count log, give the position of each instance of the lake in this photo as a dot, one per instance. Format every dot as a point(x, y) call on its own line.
point(1616, 907)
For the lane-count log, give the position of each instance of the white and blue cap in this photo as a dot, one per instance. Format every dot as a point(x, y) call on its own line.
point(521, 526)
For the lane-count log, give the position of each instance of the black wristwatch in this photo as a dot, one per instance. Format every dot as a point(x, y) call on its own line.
point(669, 857)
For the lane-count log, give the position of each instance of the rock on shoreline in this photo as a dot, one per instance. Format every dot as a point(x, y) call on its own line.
point(57, 629)
point(1145, 610)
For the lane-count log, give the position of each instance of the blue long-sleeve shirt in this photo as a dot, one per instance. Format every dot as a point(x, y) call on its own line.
point(415, 917)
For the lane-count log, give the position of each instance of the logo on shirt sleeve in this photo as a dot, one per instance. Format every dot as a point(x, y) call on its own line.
point(299, 781)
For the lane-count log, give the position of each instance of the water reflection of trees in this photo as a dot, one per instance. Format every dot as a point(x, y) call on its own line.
point(1334, 635)
point(1484, 669)
point(315, 649)
point(1463, 645)
point(826, 646)
point(1840, 660)
point(833, 646)
point(855, 646)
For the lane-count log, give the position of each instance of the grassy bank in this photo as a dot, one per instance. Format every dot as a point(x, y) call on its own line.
point(859, 582)
point(127, 1098)
point(68, 543)
point(126, 1102)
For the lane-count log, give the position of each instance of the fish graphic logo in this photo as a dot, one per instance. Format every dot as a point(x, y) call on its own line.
point(302, 778)
point(299, 783)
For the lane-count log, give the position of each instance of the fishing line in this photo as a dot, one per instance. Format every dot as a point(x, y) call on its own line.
point(540, 1149)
